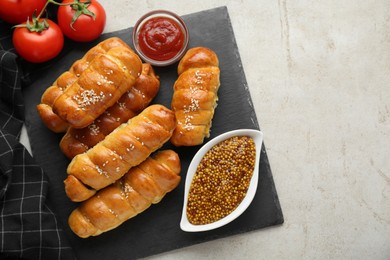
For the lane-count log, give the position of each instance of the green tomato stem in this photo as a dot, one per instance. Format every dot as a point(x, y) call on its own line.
point(43, 9)
point(79, 7)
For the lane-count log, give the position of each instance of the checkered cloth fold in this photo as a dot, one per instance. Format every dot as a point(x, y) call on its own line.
point(28, 227)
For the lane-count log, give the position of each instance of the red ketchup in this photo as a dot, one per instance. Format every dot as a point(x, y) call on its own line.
point(161, 38)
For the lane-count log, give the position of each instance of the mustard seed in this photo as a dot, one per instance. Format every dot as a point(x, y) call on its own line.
point(221, 180)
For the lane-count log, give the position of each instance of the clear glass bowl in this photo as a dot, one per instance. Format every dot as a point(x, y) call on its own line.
point(160, 13)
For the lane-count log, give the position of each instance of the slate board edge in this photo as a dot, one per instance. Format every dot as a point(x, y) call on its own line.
point(253, 118)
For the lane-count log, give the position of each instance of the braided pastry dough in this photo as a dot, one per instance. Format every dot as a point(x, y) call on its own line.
point(45, 108)
point(141, 186)
point(125, 147)
point(79, 140)
point(101, 84)
point(195, 96)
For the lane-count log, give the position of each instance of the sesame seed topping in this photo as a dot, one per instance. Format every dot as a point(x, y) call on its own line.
point(88, 97)
point(194, 106)
point(131, 147)
point(122, 105)
point(193, 90)
point(139, 92)
point(187, 122)
point(102, 172)
point(106, 80)
point(113, 212)
point(94, 129)
point(128, 188)
point(199, 77)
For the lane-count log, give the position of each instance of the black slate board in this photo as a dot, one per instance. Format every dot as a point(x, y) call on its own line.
point(157, 229)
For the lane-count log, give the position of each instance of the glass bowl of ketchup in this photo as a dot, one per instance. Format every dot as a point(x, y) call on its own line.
point(160, 38)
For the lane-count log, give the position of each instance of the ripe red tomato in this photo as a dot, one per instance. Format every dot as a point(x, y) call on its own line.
point(17, 11)
point(85, 28)
point(38, 47)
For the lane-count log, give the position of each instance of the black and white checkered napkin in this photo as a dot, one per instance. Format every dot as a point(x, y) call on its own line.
point(28, 227)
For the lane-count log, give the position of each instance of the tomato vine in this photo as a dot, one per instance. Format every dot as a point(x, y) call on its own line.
point(40, 25)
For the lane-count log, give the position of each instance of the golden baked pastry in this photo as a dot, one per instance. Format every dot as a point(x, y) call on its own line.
point(79, 140)
point(45, 108)
point(127, 146)
point(195, 96)
point(99, 86)
point(140, 187)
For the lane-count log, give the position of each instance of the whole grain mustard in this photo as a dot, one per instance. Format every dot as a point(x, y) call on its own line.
point(221, 180)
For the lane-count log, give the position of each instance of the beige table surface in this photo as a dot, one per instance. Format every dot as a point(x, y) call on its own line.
point(319, 76)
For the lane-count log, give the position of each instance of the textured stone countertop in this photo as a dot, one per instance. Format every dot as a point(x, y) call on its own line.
point(319, 76)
